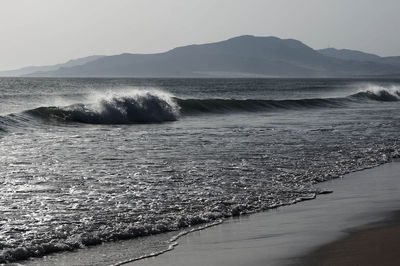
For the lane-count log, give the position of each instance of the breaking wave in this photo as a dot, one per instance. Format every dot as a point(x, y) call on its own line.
point(378, 93)
point(141, 107)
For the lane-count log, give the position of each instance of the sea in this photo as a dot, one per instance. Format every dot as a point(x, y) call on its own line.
point(101, 164)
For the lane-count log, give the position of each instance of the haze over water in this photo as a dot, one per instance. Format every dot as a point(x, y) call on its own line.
point(86, 161)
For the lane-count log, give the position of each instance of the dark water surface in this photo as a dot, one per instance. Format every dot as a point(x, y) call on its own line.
point(88, 161)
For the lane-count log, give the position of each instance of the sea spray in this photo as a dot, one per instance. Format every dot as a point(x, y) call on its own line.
point(130, 108)
point(380, 93)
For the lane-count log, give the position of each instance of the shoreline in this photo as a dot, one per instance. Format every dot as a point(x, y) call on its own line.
point(291, 234)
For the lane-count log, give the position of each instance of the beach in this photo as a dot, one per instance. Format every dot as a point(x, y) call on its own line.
point(377, 246)
point(354, 225)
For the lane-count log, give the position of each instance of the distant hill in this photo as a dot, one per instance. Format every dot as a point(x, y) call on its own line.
point(354, 55)
point(33, 69)
point(243, 56)
point(347, 54)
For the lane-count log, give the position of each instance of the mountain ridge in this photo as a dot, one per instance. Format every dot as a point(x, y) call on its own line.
point(354, 55)
point(242, 56)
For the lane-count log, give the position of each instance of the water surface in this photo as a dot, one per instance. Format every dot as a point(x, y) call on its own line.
point(88, 161)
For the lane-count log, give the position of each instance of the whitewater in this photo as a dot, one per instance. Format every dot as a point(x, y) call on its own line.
point(91, 161)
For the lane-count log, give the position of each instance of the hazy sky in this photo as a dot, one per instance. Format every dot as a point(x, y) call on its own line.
point(41, 32)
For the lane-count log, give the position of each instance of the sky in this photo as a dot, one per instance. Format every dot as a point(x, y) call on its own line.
point(44, 32)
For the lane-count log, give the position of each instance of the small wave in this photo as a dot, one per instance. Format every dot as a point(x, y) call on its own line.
point(172, 243)
point(11, 121)
point(138, 107)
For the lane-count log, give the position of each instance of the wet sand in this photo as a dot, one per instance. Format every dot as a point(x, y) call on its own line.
point(300, 234)
point(370, 247)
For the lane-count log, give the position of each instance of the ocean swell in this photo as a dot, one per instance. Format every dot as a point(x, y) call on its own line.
point(157, 107)
point(198, 106)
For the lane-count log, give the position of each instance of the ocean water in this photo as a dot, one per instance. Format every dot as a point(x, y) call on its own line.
point(85, 162)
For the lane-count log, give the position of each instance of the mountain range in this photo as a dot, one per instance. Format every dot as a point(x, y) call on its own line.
point(243, 56)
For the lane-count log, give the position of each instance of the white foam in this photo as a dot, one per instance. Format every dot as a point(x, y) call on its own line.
point(380, 90)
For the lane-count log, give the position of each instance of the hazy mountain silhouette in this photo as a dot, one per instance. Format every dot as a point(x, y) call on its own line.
point(354, 55)
point(244, 56)
point(33, 69)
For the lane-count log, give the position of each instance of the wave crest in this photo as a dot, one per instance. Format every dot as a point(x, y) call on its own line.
point(137, 107)
point(379, 93)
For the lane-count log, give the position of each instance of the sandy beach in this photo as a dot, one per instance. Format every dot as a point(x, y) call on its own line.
point(358, 216)
point(377, 246)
